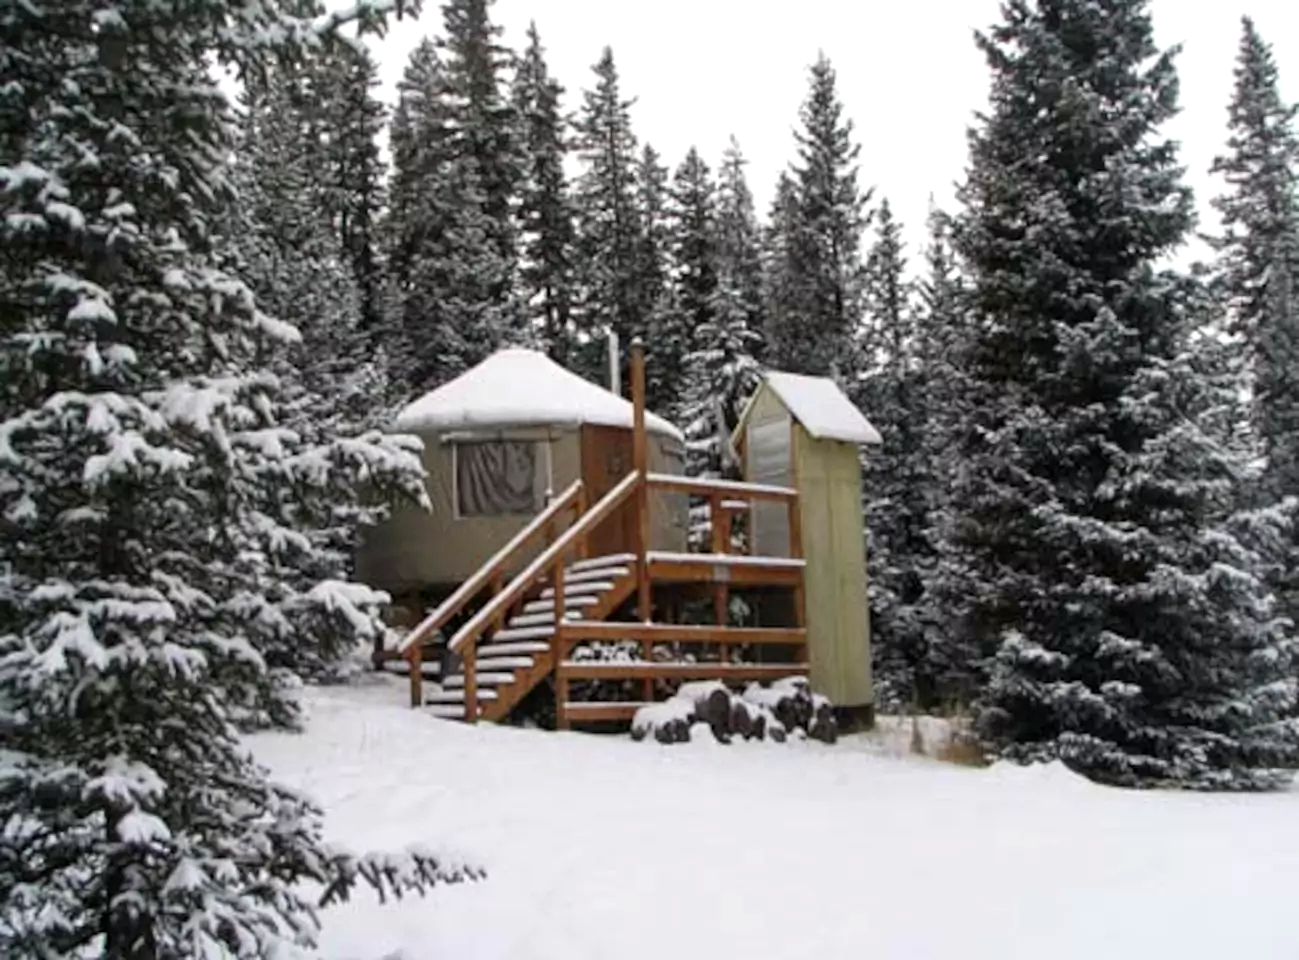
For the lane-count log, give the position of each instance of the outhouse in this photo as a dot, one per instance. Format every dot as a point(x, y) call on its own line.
point(803, 432)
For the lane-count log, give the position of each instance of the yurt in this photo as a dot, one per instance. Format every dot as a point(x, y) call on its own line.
point(499, 441)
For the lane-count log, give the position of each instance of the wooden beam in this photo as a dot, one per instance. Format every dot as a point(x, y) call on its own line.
point(631, 670)
point(640, 462)
point(584, 711)
point(732, 489)
point(705, 571)
point(470, 666)
point(561, 678)
point(416, 657)
point(582, 631)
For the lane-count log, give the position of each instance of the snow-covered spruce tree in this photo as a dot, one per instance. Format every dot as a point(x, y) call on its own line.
point(781, 285)
point(691, 262)
point(133, 823)
point(349, 119)
point(895, 485)
point(1257, 270)
point(608, 224)
point(456, 166)
point(739, 242)
point(813, 333)
point(1133, 636)
point(941, 671)
point(545, 211)
point(304, 615)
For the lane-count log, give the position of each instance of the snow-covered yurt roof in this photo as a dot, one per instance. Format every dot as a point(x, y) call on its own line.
point(819, 405)
point(518, 387)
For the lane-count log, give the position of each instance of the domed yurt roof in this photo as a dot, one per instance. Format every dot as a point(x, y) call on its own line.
point(518, 387)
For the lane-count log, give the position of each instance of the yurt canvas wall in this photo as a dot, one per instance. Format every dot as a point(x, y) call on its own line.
point(486, 484)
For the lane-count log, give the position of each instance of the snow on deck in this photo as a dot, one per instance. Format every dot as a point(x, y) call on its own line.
point(598, 847)
point(517, 387)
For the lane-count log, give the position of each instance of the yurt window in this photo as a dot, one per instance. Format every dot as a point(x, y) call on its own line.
point(498, 477)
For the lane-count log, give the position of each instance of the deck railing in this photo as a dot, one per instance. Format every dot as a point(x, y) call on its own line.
point(490, 574)
point(552, 559)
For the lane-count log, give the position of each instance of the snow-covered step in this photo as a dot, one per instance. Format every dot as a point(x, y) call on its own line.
point(447, 711)
point(456, 696)
point(539, 619)
point(596, 573)
point(589, 587)
point(402, 667)
point(486, 678)
point(487, 650)
point(570, 603)
point(489, 663)
point(524, 633)
point(595, 563)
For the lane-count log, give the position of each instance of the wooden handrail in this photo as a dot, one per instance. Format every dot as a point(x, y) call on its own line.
point(701, 487)
point(453, 604)
point(525, 578)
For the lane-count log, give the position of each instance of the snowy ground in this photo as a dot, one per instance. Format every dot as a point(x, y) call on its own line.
point(598, 847)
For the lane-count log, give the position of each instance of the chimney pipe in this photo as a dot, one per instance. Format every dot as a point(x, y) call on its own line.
point(615, 366)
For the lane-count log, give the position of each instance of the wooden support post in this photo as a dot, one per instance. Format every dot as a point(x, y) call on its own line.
point(498, 582)
point(471, 683)
point(561, 681)
point(721, 524)
point(557, 582)
point(640, 461)
point(583, 544)
point(416, 661)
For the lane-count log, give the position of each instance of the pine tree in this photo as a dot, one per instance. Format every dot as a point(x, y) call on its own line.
point(284, 242)
point(814, 333)
point(349, 120)
point(895, 482)
point(545, 207)
point(739, 244)
point(139, 438)
point(608, 222)
point(780, 274)
point(1103, 565)
point(942, 670)
point(1257, 275)
point(690, 242)
point(456, 170)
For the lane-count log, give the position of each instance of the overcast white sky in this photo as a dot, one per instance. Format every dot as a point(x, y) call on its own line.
point(909, 75)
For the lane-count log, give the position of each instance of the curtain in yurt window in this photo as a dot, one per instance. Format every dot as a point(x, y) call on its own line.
point(497, 477)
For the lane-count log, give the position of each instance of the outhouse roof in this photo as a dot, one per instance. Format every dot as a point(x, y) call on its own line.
point(819, 405)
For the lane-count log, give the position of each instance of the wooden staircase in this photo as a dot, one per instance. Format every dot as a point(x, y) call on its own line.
point(522, 654)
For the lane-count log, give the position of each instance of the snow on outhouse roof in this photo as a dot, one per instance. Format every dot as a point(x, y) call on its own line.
point(518, 387)
point(820, 406)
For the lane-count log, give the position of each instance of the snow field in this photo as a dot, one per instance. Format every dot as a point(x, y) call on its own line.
point(597, 847)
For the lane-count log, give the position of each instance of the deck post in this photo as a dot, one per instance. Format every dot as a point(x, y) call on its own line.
point(416, 661)
point(498, 582)
point(721, 523)
point(561, 680)
point(640, 461)
point(583, 548)
point(471, 683)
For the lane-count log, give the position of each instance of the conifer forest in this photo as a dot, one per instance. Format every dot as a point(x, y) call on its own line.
point(226, 260)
